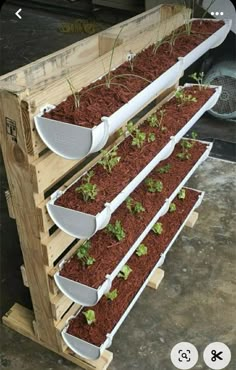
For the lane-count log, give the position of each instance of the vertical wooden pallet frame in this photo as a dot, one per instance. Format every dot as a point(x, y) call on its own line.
point(34, 172)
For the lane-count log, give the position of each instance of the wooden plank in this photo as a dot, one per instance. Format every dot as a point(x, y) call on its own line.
point(19, 180)
point(10, 206)
point(156, 279)
point(192, 219)
point(62, 323)
point(49, 169)
point(54, 245)
point(20, 319)
point(24, 277)
point(52, 66)
point(60, 304)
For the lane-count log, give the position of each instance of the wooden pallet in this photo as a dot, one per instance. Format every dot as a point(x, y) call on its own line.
point(34, 172)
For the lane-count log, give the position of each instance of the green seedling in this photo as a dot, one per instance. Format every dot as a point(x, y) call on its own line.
point(164, 169)
point(184, 98)
point(152, 120)
point(137, 135)
point(194, 135)
point(198, 77)
point(141, 250)
point(172, 207)
point(125, 272)
point(134, 207)
point(112, 295)
point(83, 254)
point(157, 228)
point(151, 137)
point(110, 159)
point(75, 93)
point(153, 186)
point(182, 194)
point(156, 119)
point(90, 316)
point(87, 189)
point(116, 230)
point(185, 154)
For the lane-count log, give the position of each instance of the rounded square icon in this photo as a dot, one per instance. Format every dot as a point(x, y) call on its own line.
point(217, 356)
point(184, 356)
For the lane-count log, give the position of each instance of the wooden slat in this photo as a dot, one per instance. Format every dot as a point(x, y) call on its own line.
point(60, 304)
point(19, 180)
point(10, 206)
point(20, 319)
point(156, 279)
point(192, 219)
point(24, 277)
point(54, 245)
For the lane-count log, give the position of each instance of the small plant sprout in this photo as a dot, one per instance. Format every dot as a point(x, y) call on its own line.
point(184, 98)
point(172, 207)
point(194, 135)
point(116, 230)
point(74, 93)
point(125, 272)
point(141, 250)
point(152, 120)
point(88, 190)
point(185, 154)
point(161, 115)
point(131, 57)
point(157, 228)
point(83, 254)
point(164, 169)
point(153, 186)
point(134, 207)
point(137, 135)
point(110, 159)
point(90, 316)
point(182, 194)
point(151, 137)
point(112, 295)
point(198, 77)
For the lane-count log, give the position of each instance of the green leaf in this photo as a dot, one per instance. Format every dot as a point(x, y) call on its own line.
point(112, 295)
point(164, 169)
point(157, 228)
point(124, 272)
point(117, 230)
point(110, 159)
point(82, 251)
point(153, 186)
point(182, 194)
point(152, 120)
point(90, 261)
point(172, 207)
point(141, 250)
point(90, 316)
point(151, 137)
point(194, 135)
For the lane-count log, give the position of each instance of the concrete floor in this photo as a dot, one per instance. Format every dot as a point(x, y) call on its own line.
point(195, 302)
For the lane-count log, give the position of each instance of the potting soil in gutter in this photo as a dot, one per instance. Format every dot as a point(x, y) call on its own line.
point(91, 340)
point(107, 258)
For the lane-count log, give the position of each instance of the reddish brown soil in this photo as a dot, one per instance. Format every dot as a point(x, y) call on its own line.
point(102, 101)
point(109, 312)
point(104, 248)
point(133, 159)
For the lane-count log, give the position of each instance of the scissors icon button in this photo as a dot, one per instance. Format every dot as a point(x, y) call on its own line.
point(217, 356)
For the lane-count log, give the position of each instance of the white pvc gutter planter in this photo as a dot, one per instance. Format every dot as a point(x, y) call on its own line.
point(82, 225)
point(91, 351)
point(87, 296)
point(75, 142)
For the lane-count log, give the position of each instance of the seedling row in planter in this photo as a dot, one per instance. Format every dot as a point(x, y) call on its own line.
point(89, 273)
point(87, 205)
point(91, 331)
point(83, 122)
